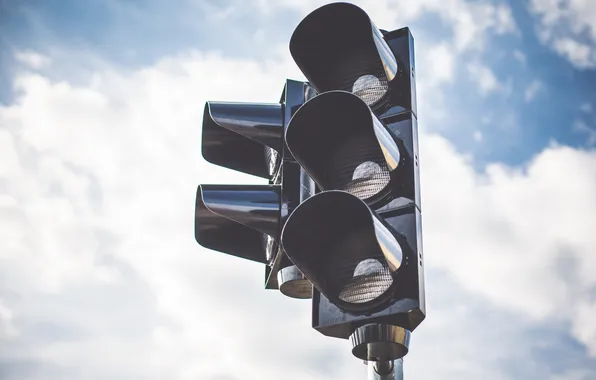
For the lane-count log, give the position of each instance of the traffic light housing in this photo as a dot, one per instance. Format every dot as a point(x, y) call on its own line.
point(339, 218)
point(246, 220)
point(359, 240)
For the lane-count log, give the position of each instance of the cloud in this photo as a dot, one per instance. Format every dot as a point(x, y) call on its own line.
point(520, 56)
point(484, 77)
point(33, 59)
point(584, 328)
point(440, 65)
point(569, 27)
point(99, 259)
point(100, 193)
point(580, 54)
point(523, 235)
point(532, 89)
point(6, 327)
point(584, 129)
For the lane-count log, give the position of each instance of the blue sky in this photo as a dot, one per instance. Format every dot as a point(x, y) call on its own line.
point(100, 109)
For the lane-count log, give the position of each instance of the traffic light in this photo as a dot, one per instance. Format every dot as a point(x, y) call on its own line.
point(359, 240)
point(341, 210)
point(246, 220)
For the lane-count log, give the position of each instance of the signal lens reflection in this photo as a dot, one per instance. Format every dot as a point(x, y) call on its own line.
point(370, 89)
point(369, 179)
point(371, 279)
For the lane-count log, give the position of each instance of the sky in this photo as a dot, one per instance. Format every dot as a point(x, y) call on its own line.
point(100, 115)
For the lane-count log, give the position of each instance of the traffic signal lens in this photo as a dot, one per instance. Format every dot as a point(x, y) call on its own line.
point(370, 89)
point(361, 73)
point(358, 166)
point(369, 179)
point(361, 277)
point(370, 280)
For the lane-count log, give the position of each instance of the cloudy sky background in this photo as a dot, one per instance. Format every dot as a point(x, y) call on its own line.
point(100, 111)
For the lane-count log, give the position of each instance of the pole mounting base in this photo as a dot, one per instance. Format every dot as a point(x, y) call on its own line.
point(379, 342)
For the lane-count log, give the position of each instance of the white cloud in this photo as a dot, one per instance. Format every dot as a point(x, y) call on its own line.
point(435, 66)
point(32, 59)
point(523, 237)
point(483, 76)
point(472, 20)
point(6, 327)
point(103, 190)
point(520, 56)
point(439, 64)
point(100, 260)
point(589, 132)
point(568, 26)
point(477, 136)
point(580, 54)
point(532, 90)
point(583, 327)
point(10, 159)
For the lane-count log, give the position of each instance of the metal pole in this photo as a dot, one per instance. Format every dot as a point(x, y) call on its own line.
point(386, 370)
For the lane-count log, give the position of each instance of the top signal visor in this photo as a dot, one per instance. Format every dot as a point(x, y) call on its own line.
point(338, 47)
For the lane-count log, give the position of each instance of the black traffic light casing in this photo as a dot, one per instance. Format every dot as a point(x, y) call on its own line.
point(294, 183)
point(358, 141)
point(246, 220)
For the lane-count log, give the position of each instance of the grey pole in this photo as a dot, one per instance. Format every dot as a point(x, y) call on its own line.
point(386, 370)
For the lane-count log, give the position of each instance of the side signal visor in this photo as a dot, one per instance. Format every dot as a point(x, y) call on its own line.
point(236, 219)
point(243, 136)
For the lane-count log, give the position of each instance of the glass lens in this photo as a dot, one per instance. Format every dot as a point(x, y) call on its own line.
point(368, 179)
point(358, 167)
point(370, 280)
point(370, 89)
point(358, 271)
